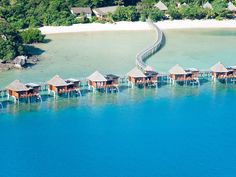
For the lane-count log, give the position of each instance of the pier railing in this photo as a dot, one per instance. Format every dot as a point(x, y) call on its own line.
point(142, 56)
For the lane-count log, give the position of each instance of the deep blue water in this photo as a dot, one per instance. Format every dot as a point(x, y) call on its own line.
point(169, 133)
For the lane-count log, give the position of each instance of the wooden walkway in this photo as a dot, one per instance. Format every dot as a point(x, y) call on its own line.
point(142, 56)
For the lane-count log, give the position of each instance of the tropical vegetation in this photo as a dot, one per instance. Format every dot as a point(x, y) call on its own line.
point(18, 15)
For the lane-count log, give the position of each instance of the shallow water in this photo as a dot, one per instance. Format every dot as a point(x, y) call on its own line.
point(199, 48)
point(166, 132)
point(80, 54)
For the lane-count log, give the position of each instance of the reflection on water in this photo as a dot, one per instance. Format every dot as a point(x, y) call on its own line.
point(128, 96)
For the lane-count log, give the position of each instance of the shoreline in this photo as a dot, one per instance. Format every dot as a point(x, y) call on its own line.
point(139, 26)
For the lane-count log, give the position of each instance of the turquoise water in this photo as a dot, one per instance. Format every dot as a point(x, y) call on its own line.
point(166, 132)
point(170, 132)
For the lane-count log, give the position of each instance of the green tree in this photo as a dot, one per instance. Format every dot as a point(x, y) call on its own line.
point(156, 15)
point(174, 12)
point(10, 42)
point(219, 9)
point(126, 14)
point(31, 35)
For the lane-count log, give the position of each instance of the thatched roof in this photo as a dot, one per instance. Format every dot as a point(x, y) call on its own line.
point(149, 68)
point(192, 70)
point(177, 70)
point(105, 10)
point(17, 86)
point(111, 77)
point(219, 68)
point(72, 80)
point(136, 73)
point(81, 10)
point(231, 7)
point(57, 81)
point(32, 85)
point(97, 77)
point(161, 6)
point(232, 67)
point(207, 5)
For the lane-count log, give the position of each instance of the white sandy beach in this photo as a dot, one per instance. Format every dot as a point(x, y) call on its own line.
point(131, 26)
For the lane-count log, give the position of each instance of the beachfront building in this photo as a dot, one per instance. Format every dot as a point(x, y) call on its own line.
point(219, 71)
point(82, 11)
point(231, 7)
point(18, 90)
point(207, 5)
point(97, 81)
point(161, 6)
point(102, 12)
point(57, 85)
point(136, 77)
point(178, 74)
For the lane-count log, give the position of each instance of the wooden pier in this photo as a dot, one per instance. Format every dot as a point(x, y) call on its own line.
point(142, 56)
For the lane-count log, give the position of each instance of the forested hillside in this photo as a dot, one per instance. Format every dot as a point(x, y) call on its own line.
point(34, 13)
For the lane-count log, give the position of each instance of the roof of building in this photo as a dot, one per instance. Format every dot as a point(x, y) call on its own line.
point(72, 80)
point(149, 68)
point(111, 77)
point(151, 73)
point(232, 67)
point(177, 70)
point(207, 5)
point(161, 6)
point(97, 77)
point(135, 72)
point(105, 10)
point(79, 10)
point(231, 7)
point(57, 81)
point(219, 68)
point(32, 85)
point(17, 86)
point(192, 69)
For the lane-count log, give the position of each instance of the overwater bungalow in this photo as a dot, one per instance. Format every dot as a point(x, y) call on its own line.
point(207, 5)
point(73, 83)
point(34, 87)
point(219, 71)
point(104, 11)
point(178, 74)
point(112, 82)
point(136, 77)
point(18, 90)
point(97, 81)
point(151, 76)
point(161, 6)
point(231, 72)
point(82, 11)
point(57, 85)
point(191, 73)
